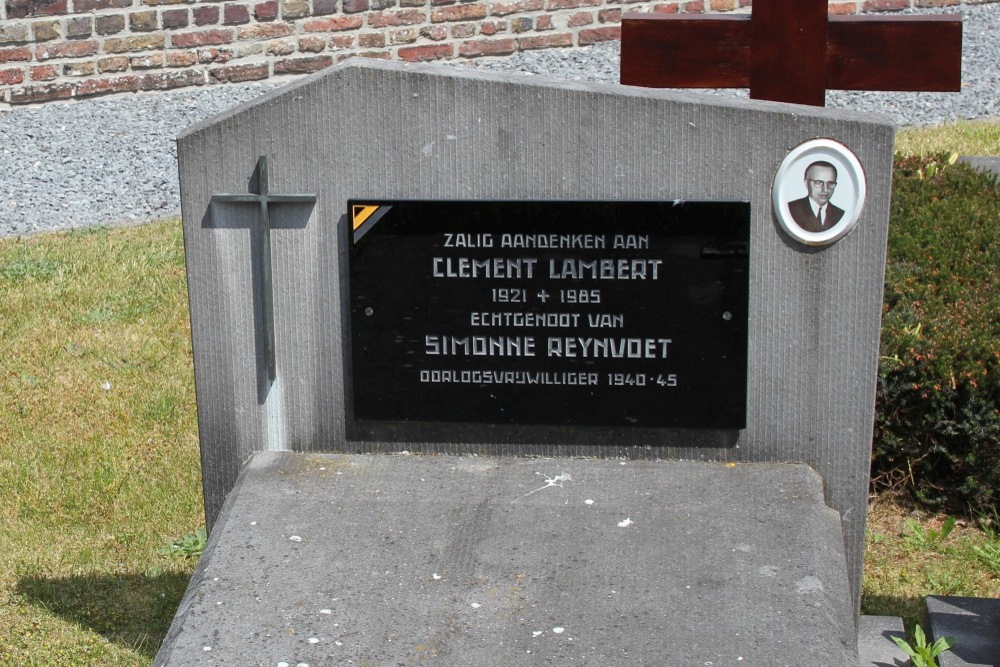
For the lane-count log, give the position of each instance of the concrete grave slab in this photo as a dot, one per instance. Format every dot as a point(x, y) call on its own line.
point(982, 163)
point(378, 559)
point(974, 623)
point(875, 645)
point(388, 130)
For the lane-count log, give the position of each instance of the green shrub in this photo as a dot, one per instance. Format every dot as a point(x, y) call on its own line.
point(937, 430)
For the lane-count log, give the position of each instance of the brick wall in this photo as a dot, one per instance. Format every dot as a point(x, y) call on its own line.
point(63, 49)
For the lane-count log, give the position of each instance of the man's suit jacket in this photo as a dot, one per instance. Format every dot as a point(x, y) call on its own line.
point(802, 214)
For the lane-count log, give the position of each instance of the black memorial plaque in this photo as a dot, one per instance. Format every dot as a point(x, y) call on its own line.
point(549, 312)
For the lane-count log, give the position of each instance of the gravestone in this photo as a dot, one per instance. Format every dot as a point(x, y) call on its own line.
point(501, 370)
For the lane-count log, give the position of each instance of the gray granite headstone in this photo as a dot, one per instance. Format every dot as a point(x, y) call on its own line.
point(392, 131)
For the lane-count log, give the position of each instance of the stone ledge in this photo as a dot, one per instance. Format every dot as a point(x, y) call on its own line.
point(319, 558)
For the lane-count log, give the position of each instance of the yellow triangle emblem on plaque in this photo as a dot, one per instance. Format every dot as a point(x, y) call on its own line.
point(360, 213)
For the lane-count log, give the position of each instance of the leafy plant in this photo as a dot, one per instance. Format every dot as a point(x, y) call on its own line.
point(190, 546)
point(927, 539)
point(921, 654)
point(937, 419)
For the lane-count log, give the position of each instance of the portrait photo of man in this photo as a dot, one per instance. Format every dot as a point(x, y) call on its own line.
point(815, 212)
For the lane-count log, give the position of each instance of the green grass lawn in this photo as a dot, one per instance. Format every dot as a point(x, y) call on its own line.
point(99, 463)
point(98, 444)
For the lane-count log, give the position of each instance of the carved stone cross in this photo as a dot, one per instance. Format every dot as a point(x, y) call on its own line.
point(791, 51)
point(260, 194)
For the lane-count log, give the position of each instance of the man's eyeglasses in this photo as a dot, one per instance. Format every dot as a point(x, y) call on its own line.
point(819, 184)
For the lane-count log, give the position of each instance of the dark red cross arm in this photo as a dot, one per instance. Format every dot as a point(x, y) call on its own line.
point(792, 51)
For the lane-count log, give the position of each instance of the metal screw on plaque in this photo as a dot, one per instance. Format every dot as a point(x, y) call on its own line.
point(259, 193)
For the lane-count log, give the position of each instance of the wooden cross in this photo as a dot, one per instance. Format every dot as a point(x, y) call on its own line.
point(260, 194)
point(791, 51)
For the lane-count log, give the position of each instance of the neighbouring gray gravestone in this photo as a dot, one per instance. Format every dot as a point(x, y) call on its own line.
point(471, 348)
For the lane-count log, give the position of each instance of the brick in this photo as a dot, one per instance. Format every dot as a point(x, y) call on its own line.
point(45, 31)
point(109, 24)
point(722, 5)
point(312, 44)
point(885, 5)
point(397, 18)
point(294, 9)
point(609, 16)
point(341, 42)
point(206, 56)
point(133, 43)
point(403, 36)
point(41, 93)
point(522, 24)
point(375, 55)
point(44, 73)
point(264, 31)
point(151, 61)
point(10, 77)
point(245, 49)
point(697, 7)
point(181, 58)
point(335, 24)
point(186, 40)
point(19, 54)
point(171, 19)
point(667, 8)
point(841, 8)
point(463, 30)
point(544, 41)
point(11, 33)
point(426, 52)
point(544, 23)
point(19, 9)
point(594, 35)
point(170, 80)
point(65, 50)
point(118, 84)
point(492, 27)
point(302, 65)
point(458, 13)
point(112, 64)
point(354, 6)
point(281, 47)
point(234, 14)
point(165, 2)
point(438, 3)
point(371, 40)
point(238, 73)
point(324, 7)
point(80, 6)
point(571, 4)
point(205, 15)
point(79, 69)
point(577, 19)
point(146, 21)
point(411, 3)
point(506, 8)
point(936, 3)
point(435, 33)
point(266, 11)
point(487, 47)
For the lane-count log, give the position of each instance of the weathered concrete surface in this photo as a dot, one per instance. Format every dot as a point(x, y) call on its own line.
point(974, 623)
point(393, 559)
point(369, 129)
point(982, 163)
point(875, 645)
